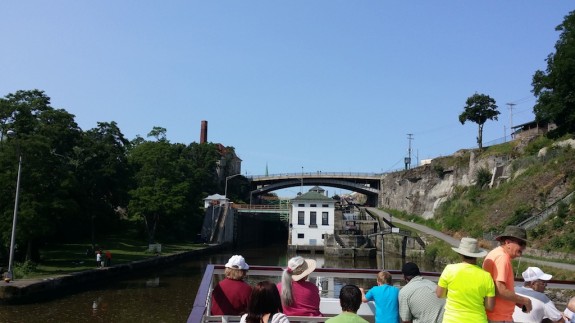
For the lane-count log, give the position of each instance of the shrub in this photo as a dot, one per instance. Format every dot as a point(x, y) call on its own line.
point(482, 177)
point(534, 146)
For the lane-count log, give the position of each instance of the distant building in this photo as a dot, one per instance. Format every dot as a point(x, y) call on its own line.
point(425, 162)
point(532, 129)
point(215, 199)
point(229, 163)
point(312, 218)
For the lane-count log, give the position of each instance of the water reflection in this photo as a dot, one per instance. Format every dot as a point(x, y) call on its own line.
point(167, 295)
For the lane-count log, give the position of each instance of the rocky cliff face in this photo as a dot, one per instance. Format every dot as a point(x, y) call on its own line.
point(422, 189)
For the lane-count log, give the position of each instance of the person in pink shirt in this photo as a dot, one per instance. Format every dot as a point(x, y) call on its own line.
point(299, 296)
point(498, 263)
point(231, 295)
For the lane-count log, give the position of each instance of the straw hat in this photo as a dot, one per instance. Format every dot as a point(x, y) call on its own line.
point(299, 267)
point(468, 247)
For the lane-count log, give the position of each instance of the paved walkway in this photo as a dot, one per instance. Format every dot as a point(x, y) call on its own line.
point(455, 242)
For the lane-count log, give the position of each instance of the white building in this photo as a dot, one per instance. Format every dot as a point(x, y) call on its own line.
point(312, 218)
point(215, 199)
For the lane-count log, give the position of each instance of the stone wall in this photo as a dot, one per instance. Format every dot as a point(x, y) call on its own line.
point(422, 189)
point(29, 290)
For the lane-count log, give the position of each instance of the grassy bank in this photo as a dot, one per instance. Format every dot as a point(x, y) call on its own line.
point(64, 258)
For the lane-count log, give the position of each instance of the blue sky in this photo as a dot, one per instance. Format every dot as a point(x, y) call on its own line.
point(327, 85)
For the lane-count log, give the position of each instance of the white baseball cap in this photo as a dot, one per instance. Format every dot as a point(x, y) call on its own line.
point(534, 273)
point(237, 262)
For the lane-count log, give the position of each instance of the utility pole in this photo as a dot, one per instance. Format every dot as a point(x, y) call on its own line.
point(407, 159)
point(511, 117)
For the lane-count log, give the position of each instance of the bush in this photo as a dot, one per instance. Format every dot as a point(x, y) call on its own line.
point(482, 177)
point(534, 146)
point(23, 270)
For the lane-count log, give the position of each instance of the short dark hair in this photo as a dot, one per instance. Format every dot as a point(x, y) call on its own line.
point(350, 298)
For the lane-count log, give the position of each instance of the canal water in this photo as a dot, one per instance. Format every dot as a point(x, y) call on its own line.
point(163, 295)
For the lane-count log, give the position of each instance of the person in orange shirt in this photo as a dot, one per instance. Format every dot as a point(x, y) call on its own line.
point(512, 242)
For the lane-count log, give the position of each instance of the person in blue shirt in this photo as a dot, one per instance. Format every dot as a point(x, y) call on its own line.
point(385, 296)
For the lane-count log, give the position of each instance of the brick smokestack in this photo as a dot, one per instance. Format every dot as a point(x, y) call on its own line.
point(204, 132)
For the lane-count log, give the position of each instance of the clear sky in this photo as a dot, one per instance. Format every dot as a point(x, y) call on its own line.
point(327, 85)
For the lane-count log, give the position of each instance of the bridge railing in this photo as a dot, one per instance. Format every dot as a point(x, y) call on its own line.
point(315, 174)
point(355, 232)
point(260, 207)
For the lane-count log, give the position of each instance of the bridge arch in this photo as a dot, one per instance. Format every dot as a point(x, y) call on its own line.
point(367, 184)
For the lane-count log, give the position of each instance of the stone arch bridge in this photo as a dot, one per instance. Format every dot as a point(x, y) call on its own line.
point(364, 183)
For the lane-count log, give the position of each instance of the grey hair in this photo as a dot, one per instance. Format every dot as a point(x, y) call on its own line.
point(286, 295)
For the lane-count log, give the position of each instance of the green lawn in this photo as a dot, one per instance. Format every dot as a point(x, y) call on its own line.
point(57, 259)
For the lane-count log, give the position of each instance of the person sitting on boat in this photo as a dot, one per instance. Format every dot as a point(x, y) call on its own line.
point(265, 305)
point(231, 295)
point(350, 301)
point(568, 313)
point(535, 282)
point(299, 297)
point(385, 296)
point(469, 289)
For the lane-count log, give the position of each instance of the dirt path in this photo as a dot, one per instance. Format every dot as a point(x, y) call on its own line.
point(455, 242)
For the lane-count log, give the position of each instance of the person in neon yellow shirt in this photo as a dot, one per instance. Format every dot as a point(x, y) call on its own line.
point(469, 289)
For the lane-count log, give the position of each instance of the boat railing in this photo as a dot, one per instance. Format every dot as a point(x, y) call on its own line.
point(201, 307)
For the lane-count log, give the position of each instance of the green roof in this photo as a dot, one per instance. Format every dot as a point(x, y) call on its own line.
point(313, 196)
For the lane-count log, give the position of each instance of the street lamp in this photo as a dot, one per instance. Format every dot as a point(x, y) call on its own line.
point(12, 134)
point(226, 189)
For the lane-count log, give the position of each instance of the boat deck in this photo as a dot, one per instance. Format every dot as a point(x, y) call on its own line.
point(324, 278)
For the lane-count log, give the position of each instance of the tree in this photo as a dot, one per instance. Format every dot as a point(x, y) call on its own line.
point(478, 109)
point(555, 88)
point(45, 202)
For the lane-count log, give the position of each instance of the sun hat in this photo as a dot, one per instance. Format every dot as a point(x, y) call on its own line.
point(300, 267)
point(534, 273)
point(237, 262)
point(410, 269)
point(512, 231)
point(468, 247)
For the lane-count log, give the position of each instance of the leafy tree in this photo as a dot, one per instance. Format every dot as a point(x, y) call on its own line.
point(102, 177)
point(170, 181)
point(45, 203)
point(555, 87)
point(478, 109)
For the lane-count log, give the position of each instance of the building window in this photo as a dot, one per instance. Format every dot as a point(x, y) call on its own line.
point(300, 235)
point(313, 205)
point(324, 218)
point(300, 217)
point(301, 205)
point(325, 205)
point(313, 219)
point(323, 236)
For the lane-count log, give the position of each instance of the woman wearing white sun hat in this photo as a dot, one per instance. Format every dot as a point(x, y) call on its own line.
point(469, 289)
point(299, 296)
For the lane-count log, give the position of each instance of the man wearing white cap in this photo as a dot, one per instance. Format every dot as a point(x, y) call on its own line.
point(534, 286)
point(231, 295)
